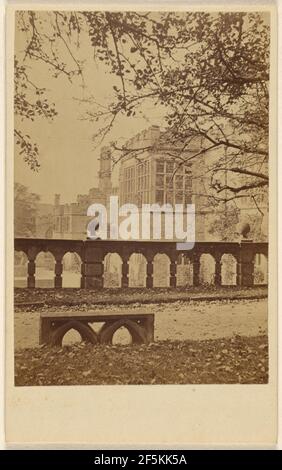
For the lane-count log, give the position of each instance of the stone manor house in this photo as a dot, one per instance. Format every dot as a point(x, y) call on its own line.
point(152, 175)
point(151, 171)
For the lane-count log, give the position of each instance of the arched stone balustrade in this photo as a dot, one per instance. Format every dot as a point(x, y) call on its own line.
point(92, 254)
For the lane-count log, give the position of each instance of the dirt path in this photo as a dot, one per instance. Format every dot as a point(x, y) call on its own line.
point(173, 321)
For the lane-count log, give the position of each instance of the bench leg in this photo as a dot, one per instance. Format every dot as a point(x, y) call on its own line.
point(45, 330)
point(150, 328)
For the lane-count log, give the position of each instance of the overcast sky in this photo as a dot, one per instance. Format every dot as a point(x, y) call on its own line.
point(68, 157)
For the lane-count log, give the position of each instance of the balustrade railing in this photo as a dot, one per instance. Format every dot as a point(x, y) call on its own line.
point(93, 253)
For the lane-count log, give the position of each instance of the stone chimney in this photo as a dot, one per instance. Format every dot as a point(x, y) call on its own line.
point(155, 133)
point(105, 172)
point(57, 199)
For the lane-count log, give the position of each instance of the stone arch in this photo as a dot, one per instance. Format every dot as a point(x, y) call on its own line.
point(71, 275)
point(122, 336)
point(184, 270)
point(108, 330)
point(260, 269)
point(228, 270)
point(20, 268)
point(137, 270)
point(71, 337)
point(161, 270)
point(112, 270)
point(87, 334)
point(44, 269)
point(207, 269)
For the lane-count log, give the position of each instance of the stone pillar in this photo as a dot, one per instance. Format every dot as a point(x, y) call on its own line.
point(93, 275)
point(58, 274)
point(196, 270)
point(173, 269)
point(31, 274)
point(149, 274)
point(82, 279)
point(125, 272)
point(92, 267)
point(238, 272)
point(217, 276)
point(245, 266)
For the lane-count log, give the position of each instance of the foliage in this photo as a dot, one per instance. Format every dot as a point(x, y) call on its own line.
point(82, 299)
point(25, 209)
point(225, 360)
point(29, 103)
point(224, 224)
point(208, 71)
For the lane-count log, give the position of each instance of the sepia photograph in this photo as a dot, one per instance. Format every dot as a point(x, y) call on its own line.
point(141, 197)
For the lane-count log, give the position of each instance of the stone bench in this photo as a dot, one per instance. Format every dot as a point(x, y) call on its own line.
point(54, 326)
